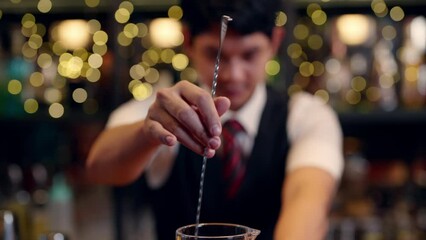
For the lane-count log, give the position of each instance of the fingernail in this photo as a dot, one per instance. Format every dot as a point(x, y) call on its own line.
point(169, 140)
point(211, 153)
point(216, 130)
point(214, 143)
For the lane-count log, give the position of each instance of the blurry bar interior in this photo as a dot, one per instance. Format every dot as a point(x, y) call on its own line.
point(64, 65)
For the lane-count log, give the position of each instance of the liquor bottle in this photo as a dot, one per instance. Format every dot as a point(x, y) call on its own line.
point(8, 226)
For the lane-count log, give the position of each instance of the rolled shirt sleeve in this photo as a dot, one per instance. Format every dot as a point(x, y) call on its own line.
point(315, 135)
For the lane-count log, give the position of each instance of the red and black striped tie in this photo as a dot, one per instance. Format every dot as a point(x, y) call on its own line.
point(233, 157)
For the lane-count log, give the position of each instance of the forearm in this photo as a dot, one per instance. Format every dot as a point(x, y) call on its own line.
point(302, 222)
point(120, 154)
point(307, 196)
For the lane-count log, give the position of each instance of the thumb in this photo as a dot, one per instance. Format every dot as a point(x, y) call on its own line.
point(222, 105)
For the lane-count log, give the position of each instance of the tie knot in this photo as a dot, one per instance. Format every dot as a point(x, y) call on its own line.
point(233, 127)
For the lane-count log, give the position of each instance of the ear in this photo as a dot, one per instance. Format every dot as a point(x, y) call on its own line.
point(277, 38)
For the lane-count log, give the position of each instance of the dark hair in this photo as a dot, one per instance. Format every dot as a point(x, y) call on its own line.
point(249, 16)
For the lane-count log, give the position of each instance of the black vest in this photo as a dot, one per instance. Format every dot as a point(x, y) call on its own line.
point(258, 201)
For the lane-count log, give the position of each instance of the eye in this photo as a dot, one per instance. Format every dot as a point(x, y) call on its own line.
point(210, 54)
point(250, 54)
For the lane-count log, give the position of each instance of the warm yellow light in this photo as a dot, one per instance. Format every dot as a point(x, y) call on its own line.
point(152, 75)
point(358, 83)
point(142, 91)
point(151, 57)
point(36, 79)
point(189, 74)
point(294, 88)
point(143, 29)
point(175, 12)
point(56, 110)
point(92, 3)
point(319, 17)
point(167, 55)
point(397, 14)
point(389, 32)
point(131, 30)
point(319, 68)
point(353, 29)
point(28, 52)
point(386, 81)
point(44, 60)
point(95, 60)
point(52, 95)
point(122, 15)
point(100, 37)
point(315, 41)
point(35, 41)
point(311, 8)
point(323, 94)
point(124, 40)
point(281, 19)
point(127, 5)
point(306, 69)
point(353, 97)
point(294, 50)
point(44, 6)
point(93, 75)
point(28, 20)
point(14, 87)
point(417, 33)
point(73, 34)
point(272, 67)
point(300, 31)
point(137, 72)
point(100, 49)
point(40, 29)
point(30, 105)
point(166, 32)
point(94, 26)
point(180, 61)
point(79, 95)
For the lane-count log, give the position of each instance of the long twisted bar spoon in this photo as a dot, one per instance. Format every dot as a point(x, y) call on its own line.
point(223, 28)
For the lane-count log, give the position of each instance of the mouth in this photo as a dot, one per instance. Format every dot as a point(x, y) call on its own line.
point(232, 90)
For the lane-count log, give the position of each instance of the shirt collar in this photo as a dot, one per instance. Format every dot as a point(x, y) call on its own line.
point(249, 115)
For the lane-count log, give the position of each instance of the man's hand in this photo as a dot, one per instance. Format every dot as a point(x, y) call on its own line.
point(188, 114)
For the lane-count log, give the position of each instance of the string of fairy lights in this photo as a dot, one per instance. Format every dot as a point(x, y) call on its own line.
point(45, 59)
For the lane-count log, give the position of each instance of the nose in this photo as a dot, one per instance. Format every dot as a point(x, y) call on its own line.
point(232, 70)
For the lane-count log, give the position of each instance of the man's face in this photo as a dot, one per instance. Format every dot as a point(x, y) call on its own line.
point(242, 64)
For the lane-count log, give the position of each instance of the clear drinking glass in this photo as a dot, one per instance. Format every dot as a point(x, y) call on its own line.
point(217, 231)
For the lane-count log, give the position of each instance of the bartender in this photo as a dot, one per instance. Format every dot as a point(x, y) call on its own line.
point(274, 160)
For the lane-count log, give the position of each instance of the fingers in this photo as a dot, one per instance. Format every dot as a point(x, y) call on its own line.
point(204, 105)
point(188, 114)
point(222, 105)
point(160, 134)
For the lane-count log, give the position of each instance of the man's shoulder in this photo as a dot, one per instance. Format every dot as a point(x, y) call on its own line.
point(307, 99)
point(129, 112)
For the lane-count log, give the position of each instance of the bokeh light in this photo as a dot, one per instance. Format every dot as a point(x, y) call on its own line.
point(92, 3)
point(56, 110)
point(79, 95)
point(175, 12)
point(14, 87)
point(272, 67)
point(180, 61)
point(44, 6)
point(36, 79)
point(31, 106)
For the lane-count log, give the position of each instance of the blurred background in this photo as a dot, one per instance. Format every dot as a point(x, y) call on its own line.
point(64, 65)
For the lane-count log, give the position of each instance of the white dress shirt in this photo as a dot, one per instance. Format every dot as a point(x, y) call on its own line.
point(316, 141)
